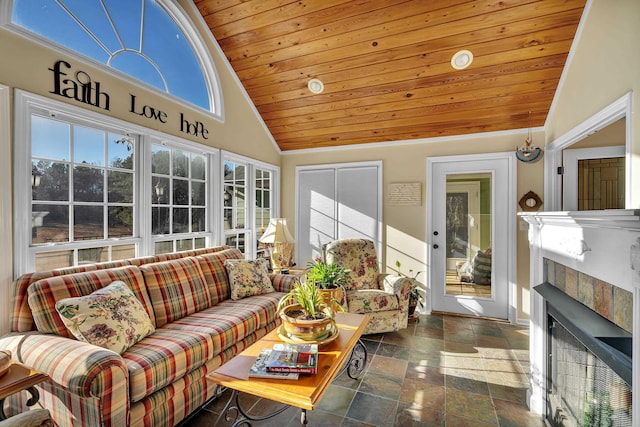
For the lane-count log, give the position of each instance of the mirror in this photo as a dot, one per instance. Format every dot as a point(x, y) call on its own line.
point(608, 123)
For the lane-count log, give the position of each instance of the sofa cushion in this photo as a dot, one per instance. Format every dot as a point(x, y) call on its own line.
point(231, 321)
point(248, 277)
point(371, 300)
point(111, 317)
point(215, 274)
point(163, 357)
point(176, 288)
point(44, 294)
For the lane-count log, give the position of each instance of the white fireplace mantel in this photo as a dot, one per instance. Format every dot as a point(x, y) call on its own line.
point(602, 244)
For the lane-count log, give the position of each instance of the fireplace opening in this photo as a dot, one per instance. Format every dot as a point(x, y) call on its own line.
point(582, 390)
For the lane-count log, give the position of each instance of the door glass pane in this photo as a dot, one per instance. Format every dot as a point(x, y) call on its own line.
point(601, 183)
point(468, 235)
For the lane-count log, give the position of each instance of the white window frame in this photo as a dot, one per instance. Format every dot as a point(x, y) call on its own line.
point(212, 162)
point(25, 105)
point(251, 234)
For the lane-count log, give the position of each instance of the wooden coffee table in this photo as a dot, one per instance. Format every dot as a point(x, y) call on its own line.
point(345, 352)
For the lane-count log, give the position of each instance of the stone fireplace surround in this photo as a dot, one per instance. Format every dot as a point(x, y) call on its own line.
point(594, 257)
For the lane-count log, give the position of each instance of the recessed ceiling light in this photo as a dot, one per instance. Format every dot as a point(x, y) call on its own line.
point(461, 59)
point(315, 86)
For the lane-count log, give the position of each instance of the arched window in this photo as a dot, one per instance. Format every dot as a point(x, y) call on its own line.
point(149, 40)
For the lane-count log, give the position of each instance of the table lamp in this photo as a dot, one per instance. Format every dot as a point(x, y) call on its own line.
point(280, 243)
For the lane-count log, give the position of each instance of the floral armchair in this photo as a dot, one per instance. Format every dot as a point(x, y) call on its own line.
point(384, 297)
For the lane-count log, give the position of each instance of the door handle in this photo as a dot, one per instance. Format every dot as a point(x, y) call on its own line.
point(435, 246)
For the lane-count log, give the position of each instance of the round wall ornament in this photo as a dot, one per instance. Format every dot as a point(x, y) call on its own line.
point(530, 202)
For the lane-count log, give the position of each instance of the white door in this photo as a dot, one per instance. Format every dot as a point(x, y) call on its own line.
point(488, 272)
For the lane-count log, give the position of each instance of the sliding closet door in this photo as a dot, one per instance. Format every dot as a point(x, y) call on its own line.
point(337, 201)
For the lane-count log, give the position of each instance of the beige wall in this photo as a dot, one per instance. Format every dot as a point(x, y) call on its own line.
point(404, 227)
point(605, 66)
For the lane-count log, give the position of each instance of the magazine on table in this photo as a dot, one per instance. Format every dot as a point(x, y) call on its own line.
point(299, 358)
point(259, 368)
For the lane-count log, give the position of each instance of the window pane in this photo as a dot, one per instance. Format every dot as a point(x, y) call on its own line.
point(51, 260)
point(120, 187)
point(123, 252)
point(160, 160)
point(236, 241)
point(164, 247)
point(199, 243)
point(180, 220)
point(198, 193)
point(198, 167)
point(180, 163)
point(198, 220)
point(228, 196)
point(160, 193)
point(88, 184)
point(50, 223)
point(120, 221)
point(184, 245)
point(50, 139)
point(120, 152)
point(88, 222)
point(160, 220)
point(54, 181)
point(88, 146)
point(93, 255)
point(180, 192)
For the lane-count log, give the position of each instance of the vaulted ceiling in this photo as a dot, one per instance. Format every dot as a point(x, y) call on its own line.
point(386, 65)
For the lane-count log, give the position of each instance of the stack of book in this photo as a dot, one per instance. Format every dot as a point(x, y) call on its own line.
point(286, 361)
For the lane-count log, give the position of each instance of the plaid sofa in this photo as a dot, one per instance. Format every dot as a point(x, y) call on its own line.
point(161, 379)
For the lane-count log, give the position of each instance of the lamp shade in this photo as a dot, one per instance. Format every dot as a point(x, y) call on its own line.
point(277, 232)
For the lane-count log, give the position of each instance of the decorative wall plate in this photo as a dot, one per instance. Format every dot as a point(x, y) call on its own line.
point(530, 202)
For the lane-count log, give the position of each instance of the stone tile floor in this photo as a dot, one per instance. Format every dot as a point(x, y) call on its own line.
point(441, 371)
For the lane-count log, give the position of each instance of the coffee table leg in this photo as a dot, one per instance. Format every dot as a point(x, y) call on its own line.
point(234, 412)
point(357, 360)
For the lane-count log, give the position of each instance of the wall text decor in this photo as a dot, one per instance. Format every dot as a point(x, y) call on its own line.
point(405, 194)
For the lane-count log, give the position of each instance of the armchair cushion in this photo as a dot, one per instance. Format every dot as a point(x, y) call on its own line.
point(359, 258)
point(368, 300)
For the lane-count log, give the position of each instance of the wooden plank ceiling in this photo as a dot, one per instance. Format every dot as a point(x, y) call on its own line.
point(386, 65)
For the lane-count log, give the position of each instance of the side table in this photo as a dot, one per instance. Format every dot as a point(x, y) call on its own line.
point(18, 378)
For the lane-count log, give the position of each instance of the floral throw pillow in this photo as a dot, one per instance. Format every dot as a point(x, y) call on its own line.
point(248, 277)
point(111, 317)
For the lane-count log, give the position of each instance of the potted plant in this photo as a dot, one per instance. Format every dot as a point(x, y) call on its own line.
point(415, 297)
point(326, 276)
point(329, 278)
point(305, 313)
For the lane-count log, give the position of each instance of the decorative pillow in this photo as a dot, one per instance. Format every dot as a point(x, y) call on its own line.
point(111, 317)
point(247, 278)
point(482, 268)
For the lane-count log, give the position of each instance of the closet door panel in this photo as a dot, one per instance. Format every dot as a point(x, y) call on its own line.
point(358, 203)
point(316, 213)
